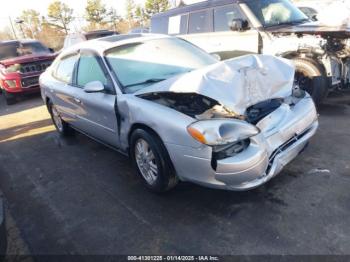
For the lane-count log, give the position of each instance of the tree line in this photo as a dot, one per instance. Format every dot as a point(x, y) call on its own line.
point(52, 28)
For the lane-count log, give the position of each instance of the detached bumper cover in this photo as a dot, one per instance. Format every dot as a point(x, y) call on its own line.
point(276, 162)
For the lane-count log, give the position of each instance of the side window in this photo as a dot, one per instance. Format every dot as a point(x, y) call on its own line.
point(223, 16)
point(178, 24)
point(183, 24)
point(200, 22)
point(159, 25)
point(89, 70)
point(65, 68)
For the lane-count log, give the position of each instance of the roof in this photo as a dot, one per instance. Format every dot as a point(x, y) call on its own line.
point(195, 6)
point(102, 44)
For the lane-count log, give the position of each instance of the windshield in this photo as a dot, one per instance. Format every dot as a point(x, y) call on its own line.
point(16, 49)
point(140, 64)
point(276, 12)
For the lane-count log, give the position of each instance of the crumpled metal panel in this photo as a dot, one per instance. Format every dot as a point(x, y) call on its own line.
point(236, 83)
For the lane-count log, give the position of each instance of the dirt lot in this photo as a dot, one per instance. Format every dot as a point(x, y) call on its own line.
point(74, 196)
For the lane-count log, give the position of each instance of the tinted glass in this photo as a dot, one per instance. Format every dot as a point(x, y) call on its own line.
point(223, 16)
point(200, 22)
point(159, 25)
point(89, 70)
point(183, 24)
point(65, 68)
point(16, 49)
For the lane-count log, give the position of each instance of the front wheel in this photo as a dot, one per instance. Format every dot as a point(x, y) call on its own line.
point(311, 77)
point(9, 98)
point(152, 161)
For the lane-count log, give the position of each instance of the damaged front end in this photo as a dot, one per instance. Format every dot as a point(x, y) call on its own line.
point(328, 46)
point(247, 112)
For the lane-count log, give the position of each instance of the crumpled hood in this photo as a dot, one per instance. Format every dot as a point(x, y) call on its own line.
point(236, 83)
point(314, 28)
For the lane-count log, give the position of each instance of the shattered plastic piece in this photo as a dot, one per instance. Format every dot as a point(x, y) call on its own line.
point(236, 83)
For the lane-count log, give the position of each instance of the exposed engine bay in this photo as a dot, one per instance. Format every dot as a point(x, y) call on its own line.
point(331, 49)
point(201, 107)
point(192, 104)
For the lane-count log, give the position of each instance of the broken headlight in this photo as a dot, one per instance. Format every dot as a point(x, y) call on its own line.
point(218, 132)
point(222, 152)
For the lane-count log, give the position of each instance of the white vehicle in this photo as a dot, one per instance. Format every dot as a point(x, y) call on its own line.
point(334, 12)
point(76, 38)
point(230, 28)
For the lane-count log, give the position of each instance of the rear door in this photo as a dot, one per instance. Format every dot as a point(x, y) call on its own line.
point(210, 30)
point(199, 27)
point(61, 90)
point(96, 114)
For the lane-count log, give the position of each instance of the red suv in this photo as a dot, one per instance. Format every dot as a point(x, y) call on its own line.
point(21, 63)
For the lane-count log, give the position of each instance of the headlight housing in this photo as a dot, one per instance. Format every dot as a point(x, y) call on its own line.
point(217, 132)
point(13, 68)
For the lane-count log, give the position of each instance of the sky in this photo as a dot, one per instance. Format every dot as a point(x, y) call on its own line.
point(14, 8)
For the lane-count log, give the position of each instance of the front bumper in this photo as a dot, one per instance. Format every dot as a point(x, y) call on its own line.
point(24, 84)
point(284, 134)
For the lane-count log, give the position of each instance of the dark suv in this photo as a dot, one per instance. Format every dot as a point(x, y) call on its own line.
point(21, 64)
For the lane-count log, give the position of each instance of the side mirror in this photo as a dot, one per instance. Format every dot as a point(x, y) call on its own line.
point(314, 18)
point(51, 50)
point(94, 87)
point(239, 25)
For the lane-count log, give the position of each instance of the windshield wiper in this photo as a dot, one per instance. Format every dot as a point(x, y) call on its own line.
point(148, 81)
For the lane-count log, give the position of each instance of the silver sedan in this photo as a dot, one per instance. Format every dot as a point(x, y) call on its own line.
point(180, 114)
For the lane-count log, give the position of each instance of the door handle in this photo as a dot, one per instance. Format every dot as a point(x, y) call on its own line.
point(77, 100)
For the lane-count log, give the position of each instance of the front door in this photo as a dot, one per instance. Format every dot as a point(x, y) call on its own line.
point(96, 114)
point(218, 38)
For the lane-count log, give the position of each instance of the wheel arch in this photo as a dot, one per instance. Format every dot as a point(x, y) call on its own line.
point(310, 56)
point(143, 126)
point(149, 129)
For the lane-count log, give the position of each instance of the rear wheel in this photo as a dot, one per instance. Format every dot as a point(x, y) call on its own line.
point(311, 77)
point(61, 126)
point(152, 161)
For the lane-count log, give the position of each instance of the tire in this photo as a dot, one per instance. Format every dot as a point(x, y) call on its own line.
point(312, 78)
point(9, 98)
point(157, 161)
point(62, 127)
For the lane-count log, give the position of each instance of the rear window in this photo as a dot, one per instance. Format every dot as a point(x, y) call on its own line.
point(200, 22)
point(16, 49)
